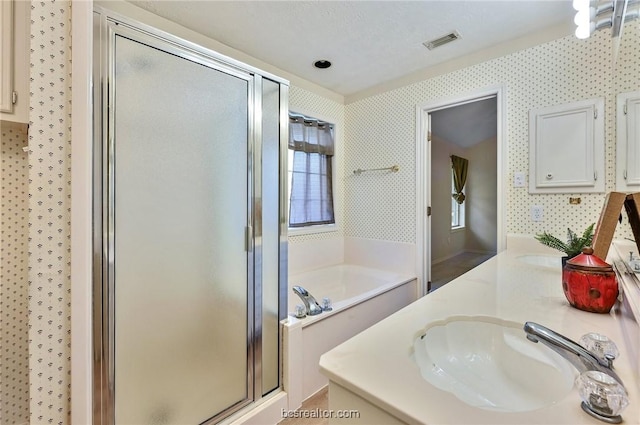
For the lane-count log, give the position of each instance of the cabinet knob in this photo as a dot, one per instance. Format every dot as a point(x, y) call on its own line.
point(549, 176)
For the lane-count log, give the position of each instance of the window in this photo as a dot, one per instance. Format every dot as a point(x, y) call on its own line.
point(311, 149)
point(457, 210)
point(459, 169)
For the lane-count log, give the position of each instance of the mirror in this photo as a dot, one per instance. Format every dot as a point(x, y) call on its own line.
point(626, 78)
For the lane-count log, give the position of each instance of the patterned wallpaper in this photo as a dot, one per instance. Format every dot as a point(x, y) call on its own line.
point(14, 362)
point(627, 74)
point(49, 212)
point(381, 132)
point(306, 102)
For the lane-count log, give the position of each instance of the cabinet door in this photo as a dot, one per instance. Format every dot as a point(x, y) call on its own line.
point(6, 56)
point(566, 148)
point(628, 143)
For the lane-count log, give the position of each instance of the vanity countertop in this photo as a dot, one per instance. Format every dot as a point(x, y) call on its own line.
point(376, 365)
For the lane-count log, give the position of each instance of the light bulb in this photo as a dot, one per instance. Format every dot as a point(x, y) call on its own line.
point(584, 31)
point(581, 4)
point(584, 16)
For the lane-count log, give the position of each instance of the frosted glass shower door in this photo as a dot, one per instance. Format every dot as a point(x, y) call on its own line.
point(179, 171)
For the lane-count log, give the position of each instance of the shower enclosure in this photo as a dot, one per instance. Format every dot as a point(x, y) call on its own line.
point(190, 234)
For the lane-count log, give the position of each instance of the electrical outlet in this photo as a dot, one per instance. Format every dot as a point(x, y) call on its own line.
point(536, 213)
point(518, 179)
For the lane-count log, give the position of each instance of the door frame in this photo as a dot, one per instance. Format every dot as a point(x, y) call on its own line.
point(423, 175)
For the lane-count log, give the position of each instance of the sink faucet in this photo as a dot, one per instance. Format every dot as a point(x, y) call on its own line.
point(603, 395)
point(581, 358)
point(310, 303)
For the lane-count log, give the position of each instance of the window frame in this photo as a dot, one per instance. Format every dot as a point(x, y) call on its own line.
point(457, 210)
point(336, 164)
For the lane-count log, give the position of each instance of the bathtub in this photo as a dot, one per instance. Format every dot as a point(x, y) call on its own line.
point(360, 296)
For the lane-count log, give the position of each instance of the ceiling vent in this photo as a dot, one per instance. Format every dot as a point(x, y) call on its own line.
point(440, 41)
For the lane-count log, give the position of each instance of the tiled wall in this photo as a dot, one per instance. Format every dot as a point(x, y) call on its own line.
point(49, 212)
point(381, 132)
point(14, 362)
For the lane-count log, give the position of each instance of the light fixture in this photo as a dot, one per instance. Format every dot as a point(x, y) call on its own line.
point(322, 64)
point(592, 15)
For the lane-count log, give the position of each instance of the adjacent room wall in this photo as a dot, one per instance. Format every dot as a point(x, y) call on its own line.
point(479, 233)
point(445, 243)
point(482, 198)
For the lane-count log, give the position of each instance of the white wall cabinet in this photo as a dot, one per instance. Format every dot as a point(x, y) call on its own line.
point(14, 60)
point(6, 56)
point(628, 142)
point(566, 148)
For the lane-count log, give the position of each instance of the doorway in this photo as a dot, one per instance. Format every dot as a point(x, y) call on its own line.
point(454, 237)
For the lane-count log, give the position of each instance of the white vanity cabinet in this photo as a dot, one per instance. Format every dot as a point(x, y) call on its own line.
point(14, 60)
point(628, 142)
point(566, 148)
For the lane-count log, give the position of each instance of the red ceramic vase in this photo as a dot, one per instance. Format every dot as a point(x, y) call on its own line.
point(589, 283)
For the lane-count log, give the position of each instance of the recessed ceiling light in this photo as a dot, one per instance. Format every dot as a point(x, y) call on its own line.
point(448, 38)
point(322, 64)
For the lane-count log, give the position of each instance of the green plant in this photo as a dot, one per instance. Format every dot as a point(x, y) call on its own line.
point(574, 244)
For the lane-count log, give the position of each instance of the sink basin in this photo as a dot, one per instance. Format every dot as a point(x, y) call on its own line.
point(542, 261)
point(488, 363)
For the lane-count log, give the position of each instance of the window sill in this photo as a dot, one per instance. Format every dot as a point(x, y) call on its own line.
point(310, 230)
point(458, 229)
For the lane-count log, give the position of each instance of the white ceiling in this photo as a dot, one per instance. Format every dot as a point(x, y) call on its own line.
point(368, 42)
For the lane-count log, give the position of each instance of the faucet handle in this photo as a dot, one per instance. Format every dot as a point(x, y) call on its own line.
point(601, 346)
point(326, 304)
point(301, 311)
point(602, 396)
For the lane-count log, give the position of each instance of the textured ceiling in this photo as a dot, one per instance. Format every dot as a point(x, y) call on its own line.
point(369, 42)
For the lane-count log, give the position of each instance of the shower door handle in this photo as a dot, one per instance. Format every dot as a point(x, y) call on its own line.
point(248, 237)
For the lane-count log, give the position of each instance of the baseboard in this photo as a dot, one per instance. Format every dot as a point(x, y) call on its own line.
point(324, 388)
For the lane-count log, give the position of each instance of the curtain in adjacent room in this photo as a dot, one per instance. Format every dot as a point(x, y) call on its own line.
point(460, 167)
point(311, 200)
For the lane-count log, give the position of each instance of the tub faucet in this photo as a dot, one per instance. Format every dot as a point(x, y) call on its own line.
point(581, 358)
point(310, 303)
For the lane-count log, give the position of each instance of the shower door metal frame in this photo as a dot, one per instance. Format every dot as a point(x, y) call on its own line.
point(107, 25)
